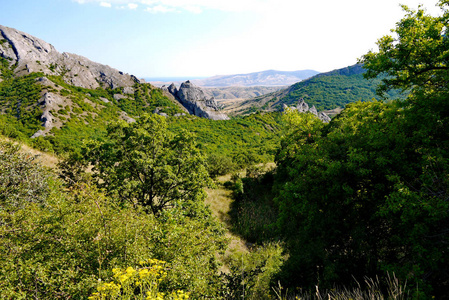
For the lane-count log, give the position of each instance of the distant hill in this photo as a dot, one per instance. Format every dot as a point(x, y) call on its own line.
point(264, 78)
point(326, 91)
point(239, 92)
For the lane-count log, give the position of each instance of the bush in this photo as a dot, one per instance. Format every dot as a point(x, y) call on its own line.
point(61, 240)
point(22, 181)
point(218, 165)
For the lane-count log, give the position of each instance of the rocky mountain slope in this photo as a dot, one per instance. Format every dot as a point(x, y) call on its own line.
point(22, 54)
point(30, 54)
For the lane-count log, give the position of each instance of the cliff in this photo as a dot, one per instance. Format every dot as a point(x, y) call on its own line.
point(195, 101)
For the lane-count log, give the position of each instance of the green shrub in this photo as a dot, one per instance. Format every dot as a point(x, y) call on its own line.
point(62, 240)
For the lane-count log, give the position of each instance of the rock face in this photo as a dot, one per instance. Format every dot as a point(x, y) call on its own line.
point(195, 101)
point(303, 107)
point(31, 54)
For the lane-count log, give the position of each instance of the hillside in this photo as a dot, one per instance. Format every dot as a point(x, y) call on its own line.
point(55, 97)
point(326, 91)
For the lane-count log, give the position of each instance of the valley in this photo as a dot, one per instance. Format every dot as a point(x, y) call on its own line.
point(267, 185)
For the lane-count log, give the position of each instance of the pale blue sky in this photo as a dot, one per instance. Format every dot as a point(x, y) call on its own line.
point(163, 38)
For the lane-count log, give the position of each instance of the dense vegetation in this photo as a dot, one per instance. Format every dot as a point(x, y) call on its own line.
point(325, 91)
point(335, 89)
point(365, 195)
point(246, 140)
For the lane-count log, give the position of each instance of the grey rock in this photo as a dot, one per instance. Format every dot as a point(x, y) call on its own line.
point(47, 119)
point(104, 100)
point(124, 116)
point(303, 107)
point(157, 111)
point(37, 134)
point(31, 54)
point(172, 89)
point(118, 96)
point(324, 117)
point(128, 90)
point(195, 101)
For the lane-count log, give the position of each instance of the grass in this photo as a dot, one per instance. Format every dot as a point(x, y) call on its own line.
point(219, 200)
point(370, 289)
point(46, 159)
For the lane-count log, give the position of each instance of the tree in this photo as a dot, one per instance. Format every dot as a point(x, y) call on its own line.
point(144, 163)
point(417, 58)
point(368, 192)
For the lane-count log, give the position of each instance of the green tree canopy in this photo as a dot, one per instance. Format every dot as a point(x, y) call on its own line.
point(417, 57)
point(368, 192)
point(146, 164)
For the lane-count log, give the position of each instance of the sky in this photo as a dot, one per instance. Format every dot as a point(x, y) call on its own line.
point(201, 38)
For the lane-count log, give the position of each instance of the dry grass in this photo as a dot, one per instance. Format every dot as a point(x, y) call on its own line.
point(46, 159)
point(370, 289)
point(219, 200)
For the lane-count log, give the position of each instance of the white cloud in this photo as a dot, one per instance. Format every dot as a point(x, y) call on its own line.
point(261, 6)
point(105, 4)
point(159, 9)
point(193, 6)
point(194, 9)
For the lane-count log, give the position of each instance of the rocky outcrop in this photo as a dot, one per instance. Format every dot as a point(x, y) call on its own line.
point(195, 101)
point(303, 107)
point(49, 102)
point(30, 54)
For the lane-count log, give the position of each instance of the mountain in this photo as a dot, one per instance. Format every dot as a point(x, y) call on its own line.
point(30, 54)
point(326, 91)
point(47, 90)
point(264, 78)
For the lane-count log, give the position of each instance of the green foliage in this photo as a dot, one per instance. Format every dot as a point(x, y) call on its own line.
point(218, 165)
point(144, 163)
point(253, 211)
point(356, 197)
point(146, 99)
point(416, 58)
point(6, 71)
point(331, 90)
point(21, 180)
point(247, 140)
point(62, 240)
point(18, 98)
point(251, 274)
point(12, 128)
